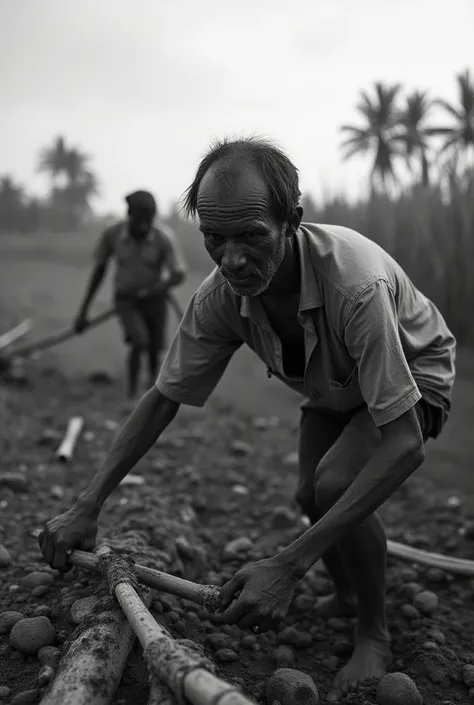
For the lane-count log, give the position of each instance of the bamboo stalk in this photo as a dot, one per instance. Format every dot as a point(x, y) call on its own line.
point(59, 337)
point(66, 449)
point(206, 595)
point(15, 333)
point(91, 669)
point(66, 334)
point(173, 663)
point(450, 564)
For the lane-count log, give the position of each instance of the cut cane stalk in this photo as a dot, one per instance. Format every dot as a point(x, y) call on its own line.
point(206, 595)
point(450, 564)
point(172, 663)
point(66, 449)
point(91, 669)
point(15, 334)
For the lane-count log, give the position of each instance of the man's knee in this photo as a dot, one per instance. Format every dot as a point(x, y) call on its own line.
point(304, 498)
point(330, 484)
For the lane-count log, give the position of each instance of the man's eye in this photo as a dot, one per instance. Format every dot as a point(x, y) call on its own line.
point(214, 238)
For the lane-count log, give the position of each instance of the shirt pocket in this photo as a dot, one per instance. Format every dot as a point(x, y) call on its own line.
point(345, 396)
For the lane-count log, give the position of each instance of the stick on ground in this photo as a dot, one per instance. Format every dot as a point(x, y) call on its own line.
point(206, 595)
point(66, 449)
point(15, 334)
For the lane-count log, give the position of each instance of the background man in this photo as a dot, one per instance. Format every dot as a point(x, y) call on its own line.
point(147, 265)
point(333, 316)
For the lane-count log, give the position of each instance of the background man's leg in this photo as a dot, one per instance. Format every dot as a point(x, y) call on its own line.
point(136, 337)
point(318, 433)
point(155, 313)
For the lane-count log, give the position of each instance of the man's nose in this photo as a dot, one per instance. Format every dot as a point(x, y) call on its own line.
point(233, 258)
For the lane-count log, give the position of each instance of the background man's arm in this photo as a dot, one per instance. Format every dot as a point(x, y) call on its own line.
point(102, 256)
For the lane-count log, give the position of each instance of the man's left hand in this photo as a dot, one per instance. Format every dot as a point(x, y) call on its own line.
point(266, 590)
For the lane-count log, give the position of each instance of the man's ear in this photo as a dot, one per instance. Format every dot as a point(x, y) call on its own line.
point(294, 222)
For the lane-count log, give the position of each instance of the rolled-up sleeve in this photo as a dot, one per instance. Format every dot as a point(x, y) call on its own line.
point(198, 356)
point(372, 338)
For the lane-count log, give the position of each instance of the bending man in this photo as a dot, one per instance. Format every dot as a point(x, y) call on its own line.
point(334, 317)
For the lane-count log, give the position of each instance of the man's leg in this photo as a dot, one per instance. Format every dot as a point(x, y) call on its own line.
point(318, 433)
point(364, 552)
point(155, 312)
point(136, 338)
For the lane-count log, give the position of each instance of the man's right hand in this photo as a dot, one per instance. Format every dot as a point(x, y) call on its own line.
point(81, 323)
point(75, 529)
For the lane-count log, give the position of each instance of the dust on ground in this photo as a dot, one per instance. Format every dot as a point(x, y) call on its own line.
point(216, 476)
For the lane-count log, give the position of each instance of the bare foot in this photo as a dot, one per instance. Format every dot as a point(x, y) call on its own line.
point(370, 659)
point(336, 606)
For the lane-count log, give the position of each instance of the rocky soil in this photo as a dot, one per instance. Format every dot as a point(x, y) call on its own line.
point(217, 493)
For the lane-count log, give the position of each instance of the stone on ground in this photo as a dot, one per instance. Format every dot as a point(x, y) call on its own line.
point(289, 686)
point(397, 689)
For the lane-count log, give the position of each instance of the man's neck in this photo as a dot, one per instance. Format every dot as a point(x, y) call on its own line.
point(287, 279)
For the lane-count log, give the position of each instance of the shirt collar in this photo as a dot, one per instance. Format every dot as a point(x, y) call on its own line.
point(310, 292)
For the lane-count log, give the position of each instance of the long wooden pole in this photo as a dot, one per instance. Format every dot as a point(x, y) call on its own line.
point(68, 333)
point(206, 595)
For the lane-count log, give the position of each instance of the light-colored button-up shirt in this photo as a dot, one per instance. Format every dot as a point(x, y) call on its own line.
point(370, 336)
point(139, 264)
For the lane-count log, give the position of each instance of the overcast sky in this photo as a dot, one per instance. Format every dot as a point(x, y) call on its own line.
point(144, 85)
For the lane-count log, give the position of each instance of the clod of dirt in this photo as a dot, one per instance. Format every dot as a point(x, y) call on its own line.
point(426, 601)
point(30, 634)
point(5, 558)
point(290, 687)
point(284, 656)
point(237, 547)
point(294, 637)
point(8, 621)
point(81, 608)
point(397, 689)
point(36, 579)
point(15, 481)
point(28, 697)
point(468, 675)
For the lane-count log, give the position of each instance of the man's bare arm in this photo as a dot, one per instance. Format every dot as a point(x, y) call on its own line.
point(153, 413)
point(399, 454)
point(95, 280)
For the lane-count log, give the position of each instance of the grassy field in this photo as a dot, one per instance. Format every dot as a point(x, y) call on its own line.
point(43, 277)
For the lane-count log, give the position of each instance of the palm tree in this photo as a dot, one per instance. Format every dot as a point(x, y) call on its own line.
point(76, 165)
point(12, 204)
point(459, 137)
point(378, 134)
point(413, 133)
point(52, 160)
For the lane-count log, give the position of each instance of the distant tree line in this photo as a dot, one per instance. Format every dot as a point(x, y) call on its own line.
point(68, 204)
point(396, 129)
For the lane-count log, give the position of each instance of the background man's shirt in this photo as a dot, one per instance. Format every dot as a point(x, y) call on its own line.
point(370, 336)
point(139, 264)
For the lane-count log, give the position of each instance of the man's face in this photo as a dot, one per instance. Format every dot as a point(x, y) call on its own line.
point(240, 232)
point(140, 222)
